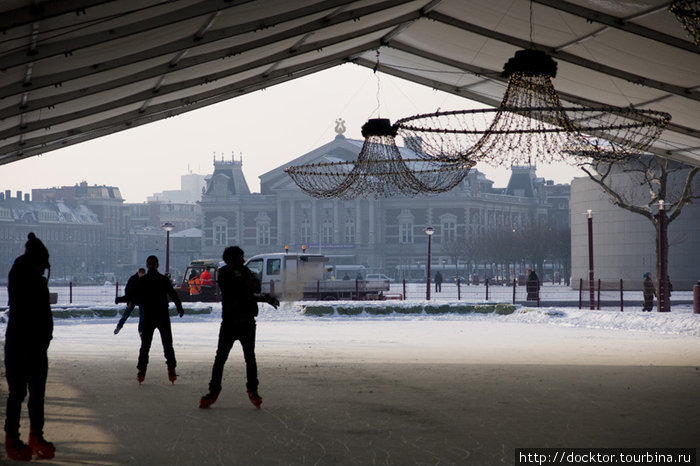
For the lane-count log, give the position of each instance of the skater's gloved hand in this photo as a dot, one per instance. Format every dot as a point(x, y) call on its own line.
point(271, 300)
point(181, 311)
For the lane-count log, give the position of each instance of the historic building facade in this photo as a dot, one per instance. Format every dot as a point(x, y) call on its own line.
point(384, 235)
point(72, 232)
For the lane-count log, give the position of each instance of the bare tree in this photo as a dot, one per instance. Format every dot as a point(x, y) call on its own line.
point(657, 179)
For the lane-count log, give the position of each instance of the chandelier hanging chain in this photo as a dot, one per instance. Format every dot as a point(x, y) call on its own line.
point(531, 123)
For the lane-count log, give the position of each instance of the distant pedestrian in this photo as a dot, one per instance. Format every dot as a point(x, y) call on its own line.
point(27, 338)
point(128, 290)
point(240, 290)
point(438, 282)
point(648, 291)
point(532, 285)
point(152, 291)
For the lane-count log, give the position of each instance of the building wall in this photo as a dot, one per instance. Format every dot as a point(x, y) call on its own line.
point(624, 242)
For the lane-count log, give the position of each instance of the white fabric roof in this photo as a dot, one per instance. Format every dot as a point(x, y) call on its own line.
point(73, 70)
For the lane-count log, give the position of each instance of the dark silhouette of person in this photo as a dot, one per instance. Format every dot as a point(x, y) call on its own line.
point(346, 276)
point(128, 290)
point(152, 291)
point(28, 335)
point(438, 282)
point(240, 289)
point(532, 286)
point(648, 292)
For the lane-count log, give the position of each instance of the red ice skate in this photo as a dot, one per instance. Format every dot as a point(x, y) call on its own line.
point(255, 398)
point(40, 447)
point(141, 376)
point(172, 376)
point(16, 449)
point(208, 400)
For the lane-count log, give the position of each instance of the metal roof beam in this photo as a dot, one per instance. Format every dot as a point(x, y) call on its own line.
point(567, 57)
point(623, 24)
point(162, 70)
point(44, 10)
point(171, 108)
point(187, 43)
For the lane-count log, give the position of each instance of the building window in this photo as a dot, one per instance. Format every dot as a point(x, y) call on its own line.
point(405, 219)
point(220, 233)
point(305, 231)
point(349, 236)
point(327, 231)
point(262, 225)
point(448, 228)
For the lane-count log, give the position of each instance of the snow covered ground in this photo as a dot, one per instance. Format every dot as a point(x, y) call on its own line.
point(390, 389)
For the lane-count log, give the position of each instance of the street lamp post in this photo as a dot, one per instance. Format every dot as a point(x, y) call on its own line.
point(428, 231)
point(591, 279)
point(168, 227)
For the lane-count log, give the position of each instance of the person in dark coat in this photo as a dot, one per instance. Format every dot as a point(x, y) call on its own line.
point(129, 290)
point(438, 282)
point(27, 338)
point(532, 285)
point(240, 289)
point(648, 292)
point(152, 291)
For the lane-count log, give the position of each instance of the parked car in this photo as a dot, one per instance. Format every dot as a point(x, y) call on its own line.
point(378, 276)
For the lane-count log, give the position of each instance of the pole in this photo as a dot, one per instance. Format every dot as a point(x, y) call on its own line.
point(167, 252)
point(591, 279)
point(428, 231)
point(427, 268)
point(663, 305)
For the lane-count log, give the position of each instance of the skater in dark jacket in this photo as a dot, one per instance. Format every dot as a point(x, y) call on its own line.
point(129, 291)
point(29, 332)
point(152, 291)
point(239, 307)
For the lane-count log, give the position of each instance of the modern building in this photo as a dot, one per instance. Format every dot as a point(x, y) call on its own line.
point(624, 242)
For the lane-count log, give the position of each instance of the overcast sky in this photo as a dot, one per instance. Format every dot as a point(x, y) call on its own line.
point(267, 128)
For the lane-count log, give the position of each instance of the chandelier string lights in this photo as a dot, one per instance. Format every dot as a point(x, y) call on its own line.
point(531, 124)
point(379, 171)
point(688, 13)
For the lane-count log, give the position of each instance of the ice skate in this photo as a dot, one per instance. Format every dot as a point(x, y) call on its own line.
point(208, 400)
point(16, 449)
point(40, 447)
point(172, 376)
point(141, 376)
point(255, 398)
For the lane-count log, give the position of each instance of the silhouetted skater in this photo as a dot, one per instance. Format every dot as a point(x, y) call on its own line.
point(129, 290)
point(239, 307)
point(152, 291)
point(29, 333)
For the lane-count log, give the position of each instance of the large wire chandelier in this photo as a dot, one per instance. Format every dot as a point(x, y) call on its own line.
point(531, 124)
point(379, 171)
point(688, 13)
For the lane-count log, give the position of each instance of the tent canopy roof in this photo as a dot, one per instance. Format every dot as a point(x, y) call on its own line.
point(74, 70)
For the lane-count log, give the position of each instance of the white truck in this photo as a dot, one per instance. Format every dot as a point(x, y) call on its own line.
point(292, 276)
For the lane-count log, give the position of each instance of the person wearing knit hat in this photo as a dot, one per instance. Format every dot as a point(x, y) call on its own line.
point(29, 332)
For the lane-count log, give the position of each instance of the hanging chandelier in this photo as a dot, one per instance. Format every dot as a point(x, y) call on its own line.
point(531, 124)
point(688, 13)
point(379, 171)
